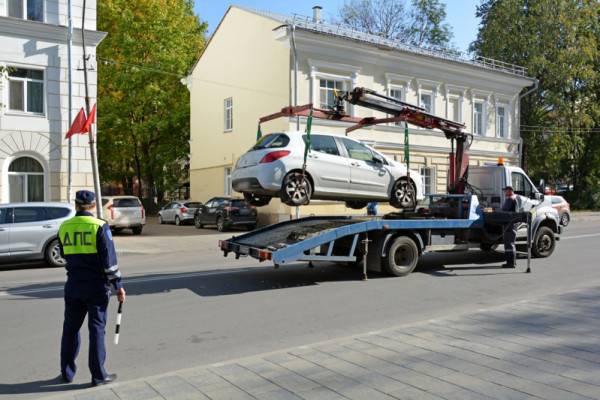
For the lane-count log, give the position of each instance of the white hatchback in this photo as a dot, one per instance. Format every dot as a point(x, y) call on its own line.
point(337, 168)
point(124, 212)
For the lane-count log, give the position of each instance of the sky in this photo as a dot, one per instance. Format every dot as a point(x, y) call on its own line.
point(460, 13)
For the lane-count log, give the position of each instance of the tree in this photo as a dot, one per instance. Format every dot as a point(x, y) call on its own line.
point(143, 108)
point(558, 42)
point(420, 23)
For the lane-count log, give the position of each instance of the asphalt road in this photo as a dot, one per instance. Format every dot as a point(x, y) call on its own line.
point(189, 306)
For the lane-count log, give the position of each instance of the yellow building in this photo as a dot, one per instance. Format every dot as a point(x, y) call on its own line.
point(247, 70)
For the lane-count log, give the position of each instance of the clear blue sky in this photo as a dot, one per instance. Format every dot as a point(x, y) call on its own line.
point(461, 13)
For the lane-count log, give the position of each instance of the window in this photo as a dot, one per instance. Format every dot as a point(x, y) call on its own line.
point(126, 203)
point(520, 184)
point(32, 9)
point(357, 151)
point(428, 179)
point(4, 218)
point(327, 89)
point(454, 109)
point(426, 101)
point(501, 121)
point(26, 90)
point(57, 212)
point(398, 95)
point(272, 141)
point(25, 180)
point(478, 118)
point(227, 181)
point(228, 105)
point(28, 214)
point(323, 144)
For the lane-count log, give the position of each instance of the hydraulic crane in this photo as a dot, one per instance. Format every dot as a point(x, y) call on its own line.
point(398, 111)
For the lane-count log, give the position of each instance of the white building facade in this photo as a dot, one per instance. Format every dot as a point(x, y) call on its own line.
point(34, 98)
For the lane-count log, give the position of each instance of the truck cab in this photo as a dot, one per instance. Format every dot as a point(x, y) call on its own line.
point(487, 182)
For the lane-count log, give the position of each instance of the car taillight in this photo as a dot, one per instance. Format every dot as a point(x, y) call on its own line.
point(183, 210)
point(112, 211)
point(274, 155)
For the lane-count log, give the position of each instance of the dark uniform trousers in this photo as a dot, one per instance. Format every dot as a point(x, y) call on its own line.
point(80, 300)
point(510, 250)
point(91, 269)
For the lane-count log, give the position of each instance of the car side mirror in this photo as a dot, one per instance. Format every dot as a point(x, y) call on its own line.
point(536, 196)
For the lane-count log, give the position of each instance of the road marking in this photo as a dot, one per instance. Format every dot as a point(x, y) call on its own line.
point(580, 236)
point(132, 281)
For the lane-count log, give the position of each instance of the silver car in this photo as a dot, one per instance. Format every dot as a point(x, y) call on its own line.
point(338, 168)
point(178, 212)
point(28, 231)
point(124, 212)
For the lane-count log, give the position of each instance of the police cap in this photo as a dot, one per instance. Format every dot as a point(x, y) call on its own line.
point(85, 197)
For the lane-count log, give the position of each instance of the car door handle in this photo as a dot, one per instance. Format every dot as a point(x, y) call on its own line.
point(313, 156)
point(2, 229)
point(354, 164)
point(47, 226)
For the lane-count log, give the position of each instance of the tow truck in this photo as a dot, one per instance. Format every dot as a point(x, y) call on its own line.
point(465, 218)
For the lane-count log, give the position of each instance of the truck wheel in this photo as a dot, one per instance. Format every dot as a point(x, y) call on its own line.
point(52, 254)
point(296, 189)
point(543, 243)
point(402, 256)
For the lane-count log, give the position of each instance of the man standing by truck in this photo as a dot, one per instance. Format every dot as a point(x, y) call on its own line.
point(510, 232)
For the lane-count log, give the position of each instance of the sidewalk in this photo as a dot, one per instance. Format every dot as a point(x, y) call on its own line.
point(546, 348)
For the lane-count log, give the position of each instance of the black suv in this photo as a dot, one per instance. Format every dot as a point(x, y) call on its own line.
point(225, 212)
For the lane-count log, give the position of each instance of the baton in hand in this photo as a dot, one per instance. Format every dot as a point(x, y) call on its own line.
point(119, 313)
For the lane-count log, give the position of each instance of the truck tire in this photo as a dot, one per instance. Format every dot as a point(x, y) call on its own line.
point(52, 255)
point(402, 256)
point(543, 243)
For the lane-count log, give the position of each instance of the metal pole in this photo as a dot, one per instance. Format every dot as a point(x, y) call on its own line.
point(70, 101)
point(91, 133)
point(295, 54)
point(529, 220)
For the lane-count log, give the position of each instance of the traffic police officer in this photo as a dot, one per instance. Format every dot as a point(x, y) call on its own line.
point(510, 233)
point(92, 268)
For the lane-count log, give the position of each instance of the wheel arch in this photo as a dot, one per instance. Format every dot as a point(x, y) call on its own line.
point(415, 236)
point(412, 182)
point(308, 175)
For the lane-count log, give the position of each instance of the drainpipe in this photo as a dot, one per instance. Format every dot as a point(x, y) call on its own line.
point(536, 84)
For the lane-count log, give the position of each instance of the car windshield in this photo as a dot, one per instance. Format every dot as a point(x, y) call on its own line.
point(272, 141)
point(239, 203)
point(123, 203)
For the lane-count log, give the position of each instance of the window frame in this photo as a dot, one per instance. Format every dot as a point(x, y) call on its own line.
point(25, 189)
point(526, 183)
point(483, 117)
point(504, 134)
point(430, 93)
point(432, 179)
point(458, 99)
point(402, 91)
point(24, 4)
point(10, 79)
point(228, 112)
point(335, 142)
point(347, 151)
point(40, 210)
point(324, 77)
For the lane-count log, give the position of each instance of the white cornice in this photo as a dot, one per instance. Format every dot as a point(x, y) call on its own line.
point(319, 64)
point(47, 32)
point(404, 79)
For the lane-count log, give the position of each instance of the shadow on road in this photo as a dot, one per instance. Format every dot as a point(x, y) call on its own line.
point(226, 282)
point(40, 386)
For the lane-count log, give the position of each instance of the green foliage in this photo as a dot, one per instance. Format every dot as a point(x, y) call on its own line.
point(420, 22)
point(143, 108)
point(558, 42)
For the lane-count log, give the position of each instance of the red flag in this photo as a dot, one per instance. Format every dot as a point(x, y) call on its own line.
point(77, 125)
point(90, 120)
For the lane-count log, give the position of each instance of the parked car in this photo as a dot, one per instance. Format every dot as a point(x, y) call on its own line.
point(225, 212)
point(29, 231)
point(338, 168)
point(563, 208)
point(124, 212)
point(178, 212)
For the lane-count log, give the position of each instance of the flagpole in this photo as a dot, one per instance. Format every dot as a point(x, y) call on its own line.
point(70, 101)
point(91, 133)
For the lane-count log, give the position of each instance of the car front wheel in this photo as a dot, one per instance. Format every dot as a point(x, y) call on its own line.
point(565, 219)
point(404, 195)
point(296, 189)
point(177, 221)
point(52, 255)
point(197, 222)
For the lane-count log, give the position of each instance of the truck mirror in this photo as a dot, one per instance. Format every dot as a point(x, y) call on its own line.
point(542, 185)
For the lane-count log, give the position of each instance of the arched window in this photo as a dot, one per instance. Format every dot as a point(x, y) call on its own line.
point(25, 180)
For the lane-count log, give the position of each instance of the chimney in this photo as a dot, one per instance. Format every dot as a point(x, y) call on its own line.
point(317, 14)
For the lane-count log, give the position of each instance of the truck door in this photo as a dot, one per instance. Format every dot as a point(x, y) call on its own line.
point(524, 188)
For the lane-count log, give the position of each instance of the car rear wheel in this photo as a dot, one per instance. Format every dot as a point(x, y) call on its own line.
point(137, 230)
point(160, 219)
point(256, 200)
point(402, 256)
point(296, 189)
point(404, 195)
point(565, 219)
point(52, 255)
point(197, 222)
point(356, 205)
point(177, 220)
point(220, 224)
